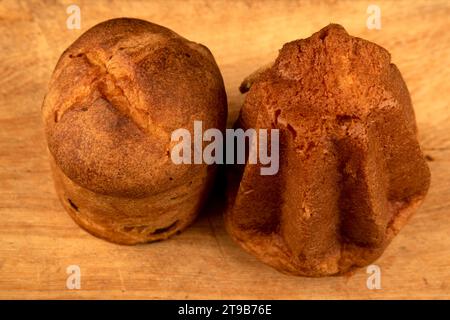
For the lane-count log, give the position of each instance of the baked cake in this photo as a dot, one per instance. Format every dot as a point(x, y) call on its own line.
point(115, 97)
point(351, 169)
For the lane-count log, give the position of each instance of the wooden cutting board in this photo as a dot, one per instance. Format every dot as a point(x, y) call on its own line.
point(38, 240)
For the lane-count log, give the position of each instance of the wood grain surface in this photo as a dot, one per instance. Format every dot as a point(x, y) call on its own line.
point(38, 240)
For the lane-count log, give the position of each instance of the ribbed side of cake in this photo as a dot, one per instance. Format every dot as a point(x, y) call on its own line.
point(351, 169)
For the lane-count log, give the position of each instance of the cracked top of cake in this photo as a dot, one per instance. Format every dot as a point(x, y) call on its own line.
point(115, 97)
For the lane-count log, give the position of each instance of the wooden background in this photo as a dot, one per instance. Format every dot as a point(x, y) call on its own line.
point(38, 240)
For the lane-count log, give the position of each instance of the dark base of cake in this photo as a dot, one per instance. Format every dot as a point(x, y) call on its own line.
point(272, 250)
point(130, 221)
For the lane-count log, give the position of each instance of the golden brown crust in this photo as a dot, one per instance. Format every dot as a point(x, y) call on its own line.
point(116, 95)
point(351, 169)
